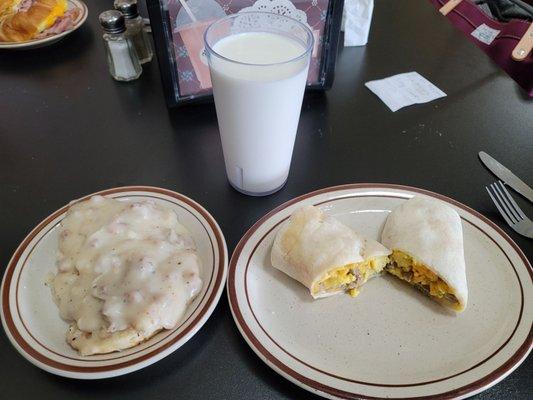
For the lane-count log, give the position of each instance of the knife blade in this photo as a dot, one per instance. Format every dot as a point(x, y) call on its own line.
point(506, 176)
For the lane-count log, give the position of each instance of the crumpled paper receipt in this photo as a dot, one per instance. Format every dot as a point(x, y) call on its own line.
point(403, 90)
point(356, 19)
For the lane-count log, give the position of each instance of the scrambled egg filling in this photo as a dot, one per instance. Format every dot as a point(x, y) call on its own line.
point(349, 277)
point(57, 11)
point(408, 269)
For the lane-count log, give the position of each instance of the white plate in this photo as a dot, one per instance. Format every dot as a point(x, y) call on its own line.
point(35, 43)
point(31, 319)
point(390, 341)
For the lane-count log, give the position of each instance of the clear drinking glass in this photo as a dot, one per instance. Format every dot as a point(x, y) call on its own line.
point(258, 63)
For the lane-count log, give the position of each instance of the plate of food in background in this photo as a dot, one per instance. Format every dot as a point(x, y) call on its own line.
point(113, 282)
point(28, 24)
point(323, 289)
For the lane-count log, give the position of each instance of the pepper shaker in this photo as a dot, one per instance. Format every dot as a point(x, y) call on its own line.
point(135, 29)
point(122, 58)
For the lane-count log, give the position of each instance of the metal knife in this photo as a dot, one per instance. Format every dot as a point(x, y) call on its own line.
point(506, 176)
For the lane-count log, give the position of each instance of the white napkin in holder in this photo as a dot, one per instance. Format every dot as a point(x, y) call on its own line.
point(357, 17)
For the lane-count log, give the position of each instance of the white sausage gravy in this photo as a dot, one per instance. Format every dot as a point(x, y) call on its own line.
point(126, 269)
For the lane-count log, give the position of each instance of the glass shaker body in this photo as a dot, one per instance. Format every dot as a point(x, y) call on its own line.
point(140, 39)
point(122, 58)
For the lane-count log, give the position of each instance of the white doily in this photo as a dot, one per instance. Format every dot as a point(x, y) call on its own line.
point(282, 7)
point(265, 14)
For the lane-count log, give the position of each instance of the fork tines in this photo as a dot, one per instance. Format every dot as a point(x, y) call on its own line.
point(505, 203)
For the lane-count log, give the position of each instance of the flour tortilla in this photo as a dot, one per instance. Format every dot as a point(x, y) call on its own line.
point(430, 231)
point(311, 243)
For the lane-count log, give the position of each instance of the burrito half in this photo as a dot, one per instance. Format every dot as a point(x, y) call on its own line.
point(324, 255)
point(426, 239)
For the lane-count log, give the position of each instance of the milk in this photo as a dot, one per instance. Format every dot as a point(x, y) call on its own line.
point(258, 106)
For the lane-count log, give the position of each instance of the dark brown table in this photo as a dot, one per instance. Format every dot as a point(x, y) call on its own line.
point(67, 129)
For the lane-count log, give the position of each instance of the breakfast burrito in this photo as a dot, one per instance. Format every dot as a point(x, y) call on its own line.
point(426, 240)
point(324, 255)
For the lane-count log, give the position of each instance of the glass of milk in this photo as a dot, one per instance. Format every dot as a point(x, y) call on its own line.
point(258, 63)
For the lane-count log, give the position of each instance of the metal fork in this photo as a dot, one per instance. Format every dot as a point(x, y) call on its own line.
point(511, 213)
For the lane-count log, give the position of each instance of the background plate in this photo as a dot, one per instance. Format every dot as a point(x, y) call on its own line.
point(390, 341)
point(35, 43)
point(31, 319)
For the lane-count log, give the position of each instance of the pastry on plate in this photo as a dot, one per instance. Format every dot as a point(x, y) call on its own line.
point(324, 255)
point(23, 20)
point(426, 239)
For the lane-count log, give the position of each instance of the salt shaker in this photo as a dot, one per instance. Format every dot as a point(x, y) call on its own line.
point(122, 58)
point(134, 29)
